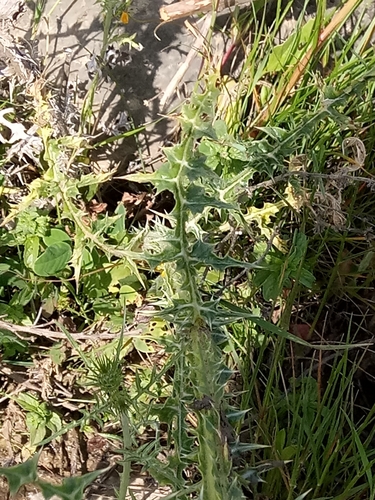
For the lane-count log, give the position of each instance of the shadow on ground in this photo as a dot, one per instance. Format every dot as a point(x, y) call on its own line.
point(74, 29)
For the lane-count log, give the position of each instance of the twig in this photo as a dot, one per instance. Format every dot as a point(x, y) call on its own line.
point(176, 80)
point(50, 334)
point(186, 8)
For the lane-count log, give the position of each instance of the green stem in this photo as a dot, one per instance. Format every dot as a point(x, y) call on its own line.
point(126, 468)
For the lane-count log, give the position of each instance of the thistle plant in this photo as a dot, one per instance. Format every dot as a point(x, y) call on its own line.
point(183, 251)
point(200, 375)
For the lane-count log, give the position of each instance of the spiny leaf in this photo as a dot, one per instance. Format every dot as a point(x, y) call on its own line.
point(72, 488)
point(164, 178)
point(197, 200)
point(22, 474)
point(202, 253)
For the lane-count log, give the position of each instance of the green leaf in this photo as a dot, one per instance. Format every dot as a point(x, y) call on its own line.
point(291, 50)
point(272, 287)
point(22, 474)
point(128, 295)
point(197, 200)
point(141, 345)
point(203, 254)
point(28, 402)
point(55, 236)
point(71, 488)
point(306, 278)
point(36, 425)
point(53, 260)
point(30, 253)
point(53, 422)
point(365, 262)
point(220, 128)
point(57, 354)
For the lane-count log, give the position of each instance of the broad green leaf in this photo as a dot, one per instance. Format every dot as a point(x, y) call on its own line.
point(289, 452)
point(53, 260)
point(291, 50)
point(56, 236)
point(119, 273)
point(306, 278)
point(24, 296)
point(141, 345)
point(280, 440)
point(30, 253)
point(57, 354)
point(22, 474)
point(28, 402)
point(53, 422)
point(365, 262)
point(220, 128)
point(272, 287)
point(128, 295)
point(36, 425)
point(71, 488)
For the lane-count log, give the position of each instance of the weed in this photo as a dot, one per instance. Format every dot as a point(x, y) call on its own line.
point(270, 225)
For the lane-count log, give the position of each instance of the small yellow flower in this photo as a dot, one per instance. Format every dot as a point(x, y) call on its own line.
point(124, 17)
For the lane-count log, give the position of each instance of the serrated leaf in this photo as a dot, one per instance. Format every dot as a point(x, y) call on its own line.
point(71, 488)
point(263, 215)
point(235, 491)
point(53, 260)
point(197, 200)
point(164, 178)
point(22, 474)
point(203, 254)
